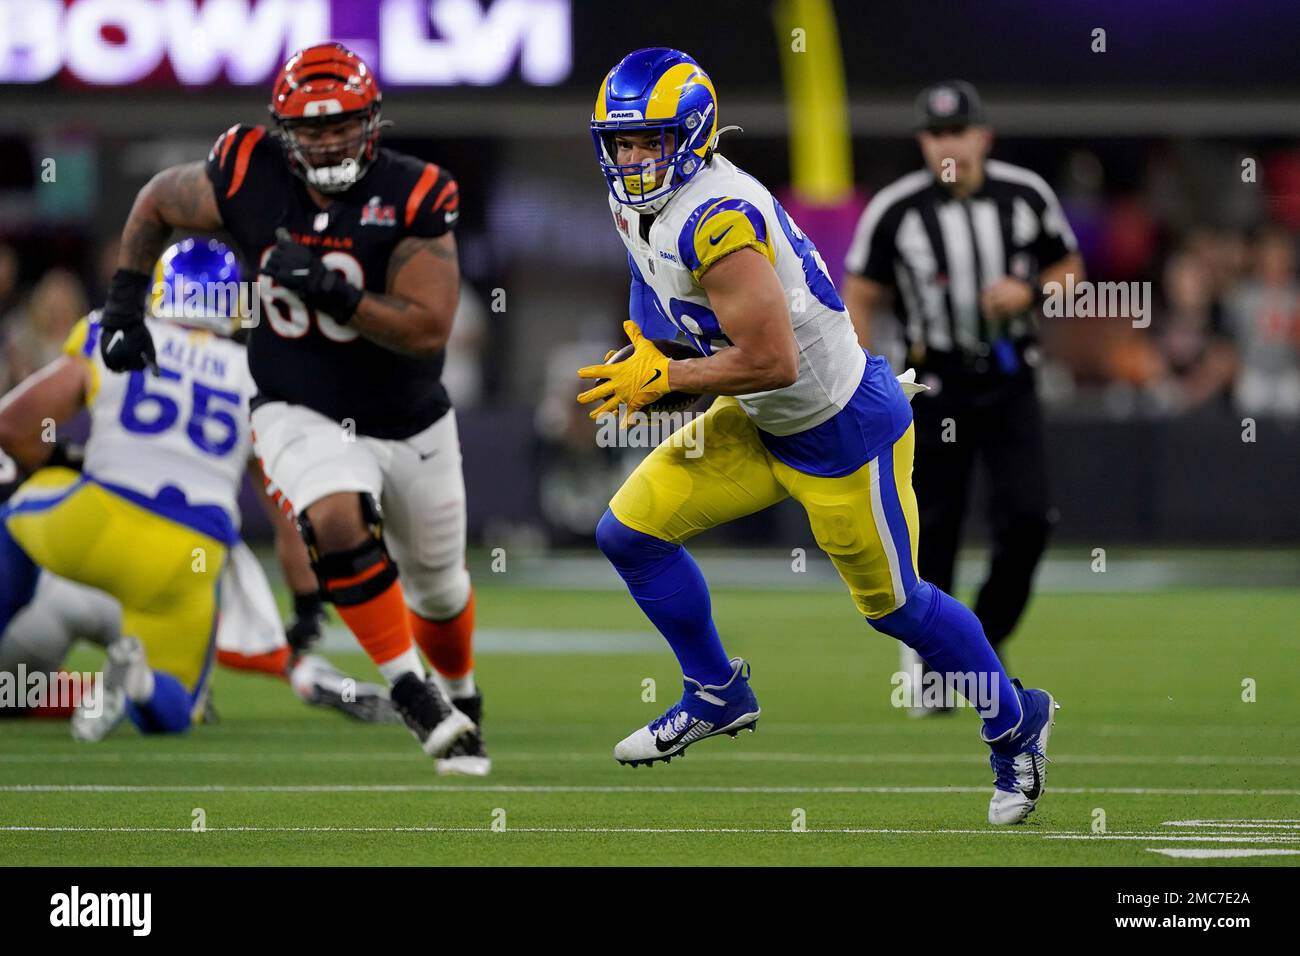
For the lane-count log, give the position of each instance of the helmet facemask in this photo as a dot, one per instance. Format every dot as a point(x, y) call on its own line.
point(638, 184)
point(337, 166)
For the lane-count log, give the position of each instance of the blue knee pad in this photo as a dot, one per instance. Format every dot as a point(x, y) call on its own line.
point(629, 550)
point(914, 617)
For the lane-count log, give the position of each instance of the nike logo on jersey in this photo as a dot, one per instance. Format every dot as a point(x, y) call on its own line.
point(714, 240)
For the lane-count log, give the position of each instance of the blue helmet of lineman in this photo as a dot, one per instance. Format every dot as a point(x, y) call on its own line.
point(196, 283)
point(655, 90)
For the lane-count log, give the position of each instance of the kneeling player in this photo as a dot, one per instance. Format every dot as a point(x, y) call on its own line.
point(150, 521)
point(805, 413)
point(249, 637)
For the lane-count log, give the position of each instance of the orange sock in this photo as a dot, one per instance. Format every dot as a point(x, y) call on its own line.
point(272, 662)
point(448, 645)
point(380, 622)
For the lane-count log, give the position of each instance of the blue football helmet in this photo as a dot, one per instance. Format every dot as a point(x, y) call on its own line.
point(655, 90)
point(197, 283)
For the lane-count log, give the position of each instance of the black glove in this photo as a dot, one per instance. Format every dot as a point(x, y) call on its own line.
point(298, 268)
point(308, 616)
point(124, 341)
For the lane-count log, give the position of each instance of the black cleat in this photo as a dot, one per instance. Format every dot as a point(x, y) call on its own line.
point(468, 755)
point(435, 723)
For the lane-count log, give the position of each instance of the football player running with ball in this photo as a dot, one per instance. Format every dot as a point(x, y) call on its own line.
point(351, 422)
point(804, 412)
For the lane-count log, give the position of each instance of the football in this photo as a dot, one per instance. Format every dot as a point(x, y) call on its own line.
point(673, 401)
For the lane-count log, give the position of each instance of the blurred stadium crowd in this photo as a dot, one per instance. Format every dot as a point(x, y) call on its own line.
point(1217, 245)
point(1222, 262)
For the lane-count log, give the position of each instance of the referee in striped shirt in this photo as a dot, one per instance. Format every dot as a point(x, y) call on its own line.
point(961, 250)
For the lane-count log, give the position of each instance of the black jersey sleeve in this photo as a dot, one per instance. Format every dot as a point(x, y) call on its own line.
point(872, 252)
point(1055, 237)
point(432, 206)
point(236, 167)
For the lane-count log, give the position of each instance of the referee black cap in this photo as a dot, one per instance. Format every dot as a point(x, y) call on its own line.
point(951, 104)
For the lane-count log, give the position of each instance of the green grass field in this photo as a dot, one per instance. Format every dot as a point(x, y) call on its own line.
point(1153, 732)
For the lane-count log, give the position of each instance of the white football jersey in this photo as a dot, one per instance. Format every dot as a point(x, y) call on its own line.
point(721, 210)
point(187, 428)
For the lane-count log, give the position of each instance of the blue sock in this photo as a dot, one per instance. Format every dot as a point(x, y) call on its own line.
point(948, 636)
point(18, 575)
point(667, 584)
point(167, 711)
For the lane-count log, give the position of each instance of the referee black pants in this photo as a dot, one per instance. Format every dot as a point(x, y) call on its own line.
point(998, 423)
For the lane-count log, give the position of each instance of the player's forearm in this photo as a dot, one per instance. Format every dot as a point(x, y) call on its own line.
point(862, 297)
point(54, 394)
point(734, 371)
point(294, 562)
point(144, 236)
point(179, 197)
point(26, 449)
point(403, 326)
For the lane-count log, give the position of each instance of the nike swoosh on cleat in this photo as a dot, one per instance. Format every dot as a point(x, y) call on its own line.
point(663, 745)
point(714, 240)
point(1034, 792)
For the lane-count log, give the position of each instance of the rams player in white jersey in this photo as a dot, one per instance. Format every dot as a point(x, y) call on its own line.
point(803, 412)
point(152, 520)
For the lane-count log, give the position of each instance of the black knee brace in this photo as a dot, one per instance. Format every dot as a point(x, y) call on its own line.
point(342, 565)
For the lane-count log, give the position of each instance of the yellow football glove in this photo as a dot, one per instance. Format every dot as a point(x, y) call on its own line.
point(634, 382)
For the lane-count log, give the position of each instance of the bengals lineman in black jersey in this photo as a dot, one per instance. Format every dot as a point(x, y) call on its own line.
point(359, 283)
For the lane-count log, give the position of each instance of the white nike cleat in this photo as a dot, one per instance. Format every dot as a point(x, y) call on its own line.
point(1019, 759)
point(704, 711)
point(105, 706)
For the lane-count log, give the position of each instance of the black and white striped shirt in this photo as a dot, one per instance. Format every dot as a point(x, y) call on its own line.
point(939, 251)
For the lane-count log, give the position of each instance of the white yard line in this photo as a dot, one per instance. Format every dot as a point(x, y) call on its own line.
point(1188, 837)
point(1210, 854)
point(509, 788)
point(1242, 824)
point(488, 829)
point(1006, 832)
point(407, 754)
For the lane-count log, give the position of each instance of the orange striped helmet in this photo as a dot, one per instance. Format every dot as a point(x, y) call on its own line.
point(325, 104)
